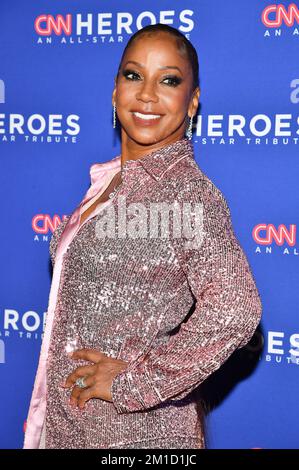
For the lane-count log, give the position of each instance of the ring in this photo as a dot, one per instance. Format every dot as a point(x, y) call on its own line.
point(80, 382)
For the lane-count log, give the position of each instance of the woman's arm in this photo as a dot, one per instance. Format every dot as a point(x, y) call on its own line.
point(228, 310)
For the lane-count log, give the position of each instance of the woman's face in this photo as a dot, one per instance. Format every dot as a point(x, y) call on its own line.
point(154, 79)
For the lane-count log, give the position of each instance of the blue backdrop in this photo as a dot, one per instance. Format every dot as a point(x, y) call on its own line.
point(57, 68)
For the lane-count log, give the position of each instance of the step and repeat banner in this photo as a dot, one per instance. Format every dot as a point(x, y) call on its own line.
point(57, 66)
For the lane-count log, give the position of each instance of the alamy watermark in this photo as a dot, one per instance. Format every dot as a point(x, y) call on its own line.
point(159, 220)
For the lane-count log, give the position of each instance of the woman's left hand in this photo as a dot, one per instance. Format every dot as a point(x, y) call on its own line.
point(97, 377)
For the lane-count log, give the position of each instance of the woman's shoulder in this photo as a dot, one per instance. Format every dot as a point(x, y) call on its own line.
point(193, 183)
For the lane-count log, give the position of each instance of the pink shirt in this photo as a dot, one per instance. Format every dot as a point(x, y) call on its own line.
point(101, 175)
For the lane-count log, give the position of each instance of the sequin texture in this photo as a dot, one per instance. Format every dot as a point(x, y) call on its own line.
point(131, 297)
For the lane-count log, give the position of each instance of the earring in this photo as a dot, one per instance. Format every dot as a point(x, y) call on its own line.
point(189, 130)
point(114, 116)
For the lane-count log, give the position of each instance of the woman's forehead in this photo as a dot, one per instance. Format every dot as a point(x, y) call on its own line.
point(156, 40)
point(157, 48)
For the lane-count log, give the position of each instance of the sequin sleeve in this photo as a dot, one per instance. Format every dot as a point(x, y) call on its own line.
point(227, 312)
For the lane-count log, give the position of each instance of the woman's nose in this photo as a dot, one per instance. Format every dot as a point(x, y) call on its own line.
point(147, 92)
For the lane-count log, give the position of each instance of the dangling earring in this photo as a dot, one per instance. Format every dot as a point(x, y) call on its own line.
point(114, 116)
point(189, 130)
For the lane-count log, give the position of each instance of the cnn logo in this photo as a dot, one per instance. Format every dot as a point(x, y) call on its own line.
point(47, 24)
point(280, 14)
point(265, 234)
point(42, 223)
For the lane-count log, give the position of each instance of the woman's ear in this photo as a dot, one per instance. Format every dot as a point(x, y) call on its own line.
point(195, 100)
point(113, 96)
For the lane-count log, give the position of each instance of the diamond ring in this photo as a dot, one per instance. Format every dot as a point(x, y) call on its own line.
point(80, 382)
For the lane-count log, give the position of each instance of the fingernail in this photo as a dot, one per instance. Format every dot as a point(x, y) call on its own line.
point(70, 354)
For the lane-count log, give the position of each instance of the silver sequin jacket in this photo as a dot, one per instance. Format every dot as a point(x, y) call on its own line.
point(131, 298)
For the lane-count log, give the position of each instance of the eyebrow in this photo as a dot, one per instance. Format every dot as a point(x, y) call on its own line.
point(161, 68)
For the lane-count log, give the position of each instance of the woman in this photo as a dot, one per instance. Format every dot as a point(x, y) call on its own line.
point(123, 303)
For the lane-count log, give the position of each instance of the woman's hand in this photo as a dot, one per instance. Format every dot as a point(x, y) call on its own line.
point(97, 377)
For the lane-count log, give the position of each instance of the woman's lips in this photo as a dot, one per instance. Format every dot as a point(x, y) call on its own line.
point(143, 121)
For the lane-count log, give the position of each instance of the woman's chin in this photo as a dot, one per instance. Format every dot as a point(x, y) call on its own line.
point(146, 138)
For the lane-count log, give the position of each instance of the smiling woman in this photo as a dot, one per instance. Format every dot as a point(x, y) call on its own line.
point(156, 94)
point(148, 318)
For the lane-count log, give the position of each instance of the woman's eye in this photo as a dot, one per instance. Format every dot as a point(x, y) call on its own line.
point(128, 73)
point(173, 81)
